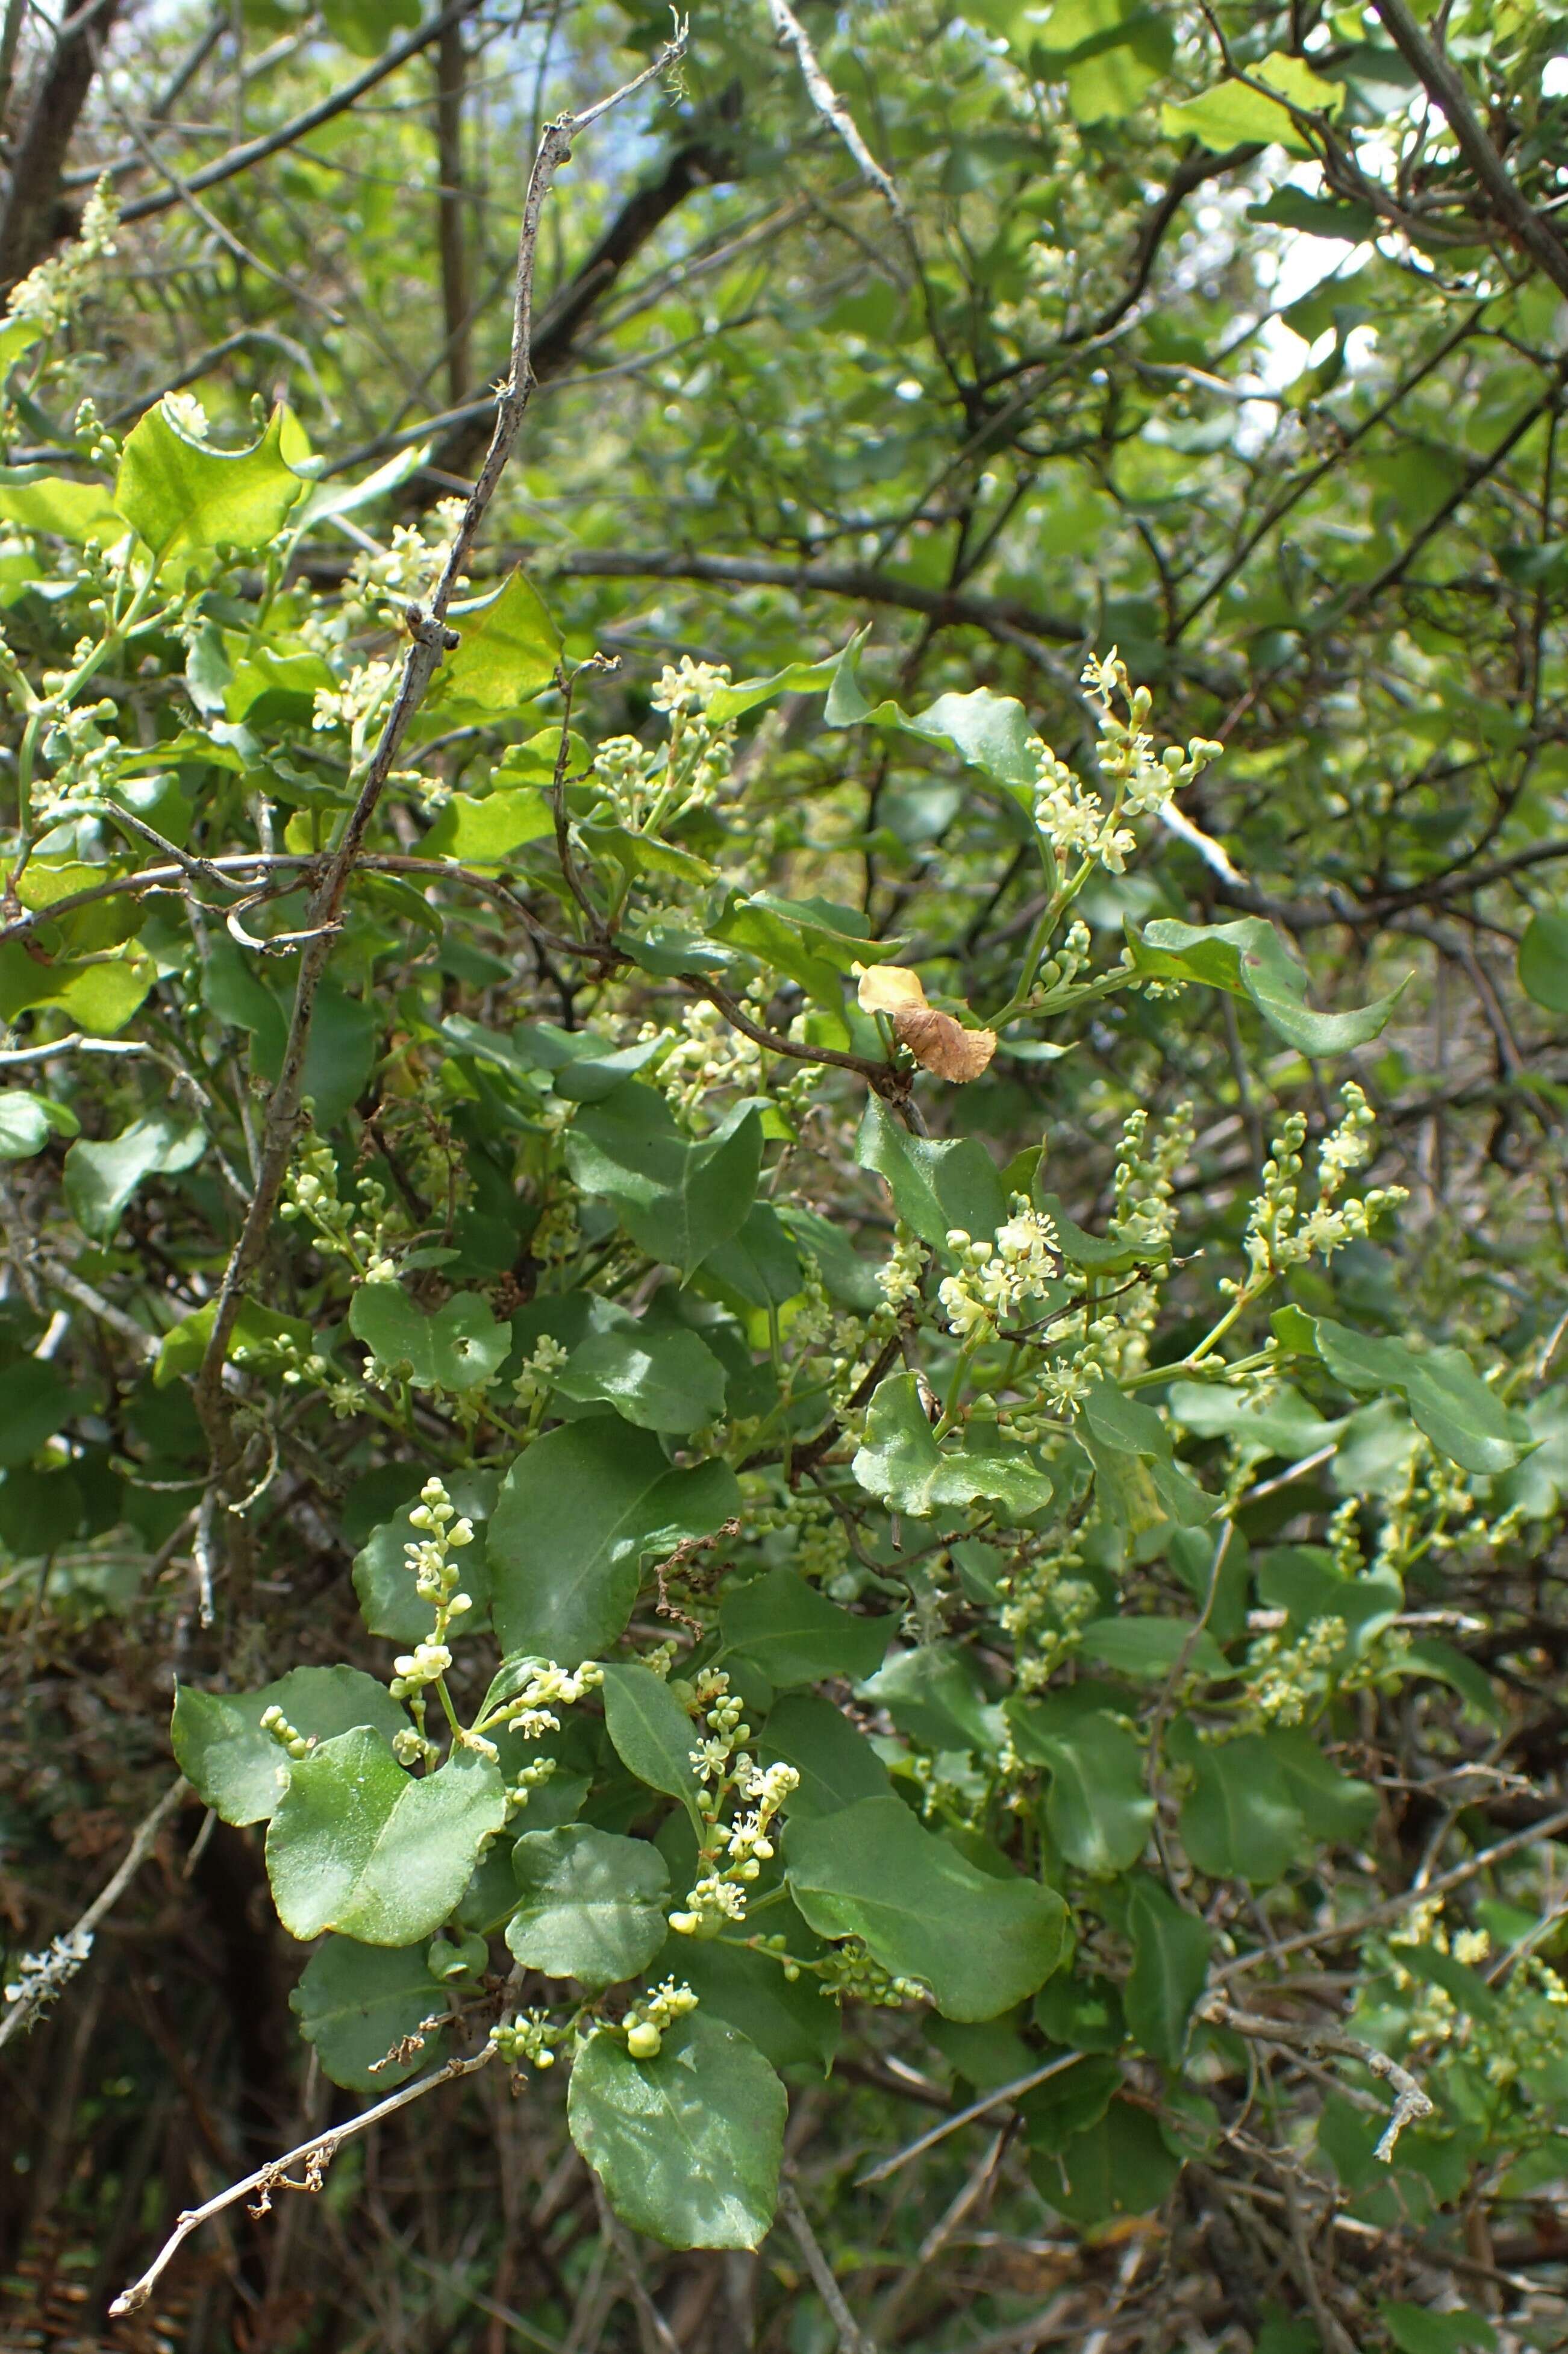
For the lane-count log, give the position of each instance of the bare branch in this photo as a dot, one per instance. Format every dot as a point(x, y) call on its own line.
point(852, 2338)
point(1410, 2102)
point(32, 219)
point(39, 1988)
point(1444, 82)
point(831, 106)
point(1393, 1908)
point(861, 582)
point(314, 2156)
point(288, 135)
point(432, 638)
point(981, 2108)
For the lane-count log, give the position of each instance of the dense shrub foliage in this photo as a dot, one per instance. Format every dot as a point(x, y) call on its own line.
point(814, 1324)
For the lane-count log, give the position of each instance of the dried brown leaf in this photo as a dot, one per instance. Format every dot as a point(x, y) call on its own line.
point(944, 1045)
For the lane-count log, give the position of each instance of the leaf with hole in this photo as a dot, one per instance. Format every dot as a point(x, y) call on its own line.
point(181, 495)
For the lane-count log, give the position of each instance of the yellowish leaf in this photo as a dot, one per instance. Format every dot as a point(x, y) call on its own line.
point(890, 989)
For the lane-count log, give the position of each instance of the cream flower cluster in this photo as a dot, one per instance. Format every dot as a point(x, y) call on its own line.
point(1073, 817)
point(53, 294)
point(649, 2019)
point(707, 1054)
point(1277, 1236)
point(994, 1280)
point(734, 1852)
point(688, 686)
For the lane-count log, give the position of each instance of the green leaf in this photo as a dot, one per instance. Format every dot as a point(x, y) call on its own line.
point(1171, 1950)
point(35, 1401)
point(1149, 1648)
point(783, 945)
point(19, 335)
point(384, 1579)
point(358, 1845)
point(837, 1764)
point(796, 678)
point(179, 494)
point(366, 26)
point(239, 1770)
point(324, 501)
point(98, 998)
point(1304, 1581)
point(795, 1635)
point(1233, 113)
point(461, 1347)
point(1095, 1254)
point(1418, 2329)
point(1332, 1805)
point(935, 1187)
point(653, 1735)
point(100, 1179)
point(990, 732)
point(935, 1694)
point(1110, 52)
point(901, 1462)
point(1343, 219)
point(39, 1510)
point(592, 1905)
point(509, 650)
point(789, 2023)
point(579, 1513)
point(35, 500)
point(873, 1872)
point(1538, 1481)
point(1120, 2167)
point(1447, 1399)
point(1084, 2013)
point(1544, 958)
point(1070, 2103)
point(184, 1345)
point(1140, 1482)
point(1430, 1656)
point(757, 1267)
point(1240, 1821)
point(355, 2003)
point(1248, 959)
point(344, 1036)
point(687, 2145)
point(393, 1327)
point(25, 1126)
point(659, 1376)
point(677, 1199)
point(1284, 1424)
point(1097, 1809)
point(484, 832)
point(588, 1078)
point(849, 1280)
